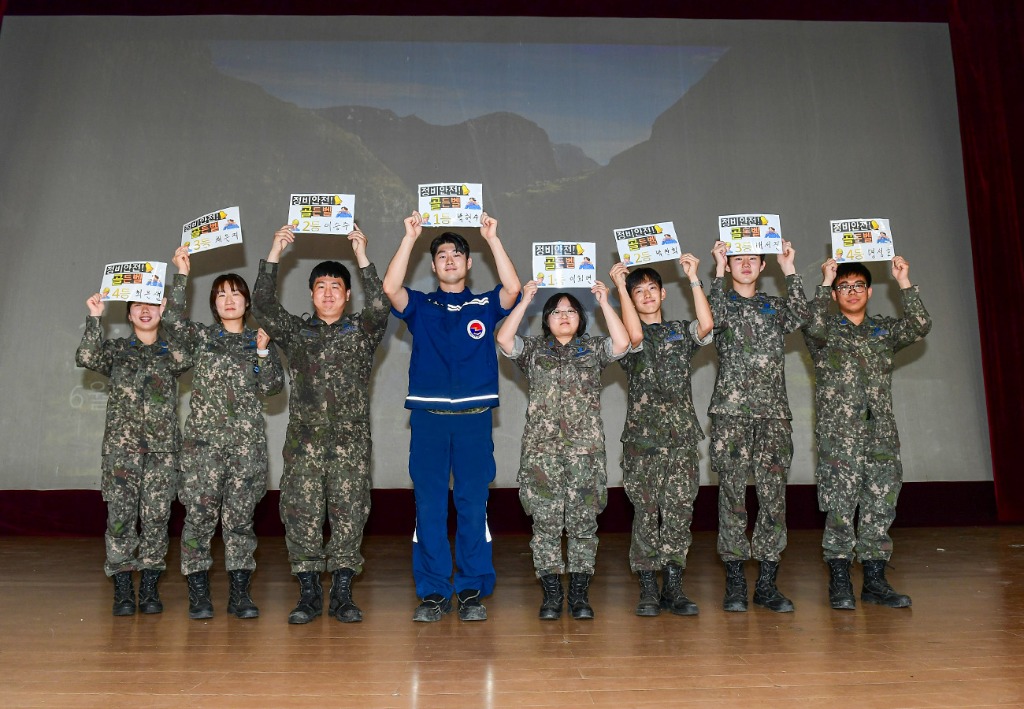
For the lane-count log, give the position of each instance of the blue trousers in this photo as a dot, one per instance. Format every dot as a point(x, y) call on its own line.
point(457, 447)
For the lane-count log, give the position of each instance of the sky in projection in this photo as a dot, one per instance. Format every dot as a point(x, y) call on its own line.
point(601, 97)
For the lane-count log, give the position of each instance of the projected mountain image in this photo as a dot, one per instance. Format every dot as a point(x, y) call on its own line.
point(504, 151)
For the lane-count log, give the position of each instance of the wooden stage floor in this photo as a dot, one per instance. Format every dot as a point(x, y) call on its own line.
point(962, 643)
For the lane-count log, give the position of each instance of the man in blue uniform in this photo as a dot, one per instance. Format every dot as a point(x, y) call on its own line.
point(453, 385)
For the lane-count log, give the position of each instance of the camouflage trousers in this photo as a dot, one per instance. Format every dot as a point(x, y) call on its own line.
point(740, 447)
point(563, 492)
point(222, 484)
point(326, 475)
point(864, 475)
point(138, 489)
point(662, 484)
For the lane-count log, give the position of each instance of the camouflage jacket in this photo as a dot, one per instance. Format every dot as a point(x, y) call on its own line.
point(659, 406)
point(750, 339)
point(328, 364)
point(564, 413)
point(225, 409)
point(853, 365)
point(142, 404)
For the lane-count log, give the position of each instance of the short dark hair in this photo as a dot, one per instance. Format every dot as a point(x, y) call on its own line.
point(449, 237)
point(549, 307)
point(731, 256)
point(330, 269)
point(642, 275)
point(852, 268)
point(223, 282)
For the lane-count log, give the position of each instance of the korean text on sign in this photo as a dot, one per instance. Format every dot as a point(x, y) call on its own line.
point(451, 204)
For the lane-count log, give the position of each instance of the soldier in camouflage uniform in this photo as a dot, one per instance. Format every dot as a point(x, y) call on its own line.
point(750, 418)
point(659, 441)
point(327, 448)
point(858, 446)
point(224, 458)
point(140, 446)
point(563, 479)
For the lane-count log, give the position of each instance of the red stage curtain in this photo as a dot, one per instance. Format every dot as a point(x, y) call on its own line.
point(988, 61)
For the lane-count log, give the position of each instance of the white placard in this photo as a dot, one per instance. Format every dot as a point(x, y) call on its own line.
point(322, 213)
point(451, 204)
point(861, 240)
point(647, 243)
point(565, 264)
point(751, 233)
point(134, 280)
point(222, 227)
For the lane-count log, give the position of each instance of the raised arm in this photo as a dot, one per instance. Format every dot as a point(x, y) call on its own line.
point(816, 327)
point(282, 237)
point(630, 318)
point(173, 317)
point(266, 307)
point(357, 238)
point(91, 353)
point(719, 251)
point(617, 331)
point(376, 305)
point(916, 322)
point(270, 378)
point(506, 269)
point(797, 312)
point(506, 337)
point(705, 320)
point(394, 279)
point(717, 298)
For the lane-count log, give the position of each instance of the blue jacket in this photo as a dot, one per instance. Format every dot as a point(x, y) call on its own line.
point(454, 363)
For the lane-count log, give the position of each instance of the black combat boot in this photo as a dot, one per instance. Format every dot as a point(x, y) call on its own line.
point(579, 603)
point(649, 604)
point(877, 589)
point(239, 601)
point(149, 596)
point(735, 588)
point(551, 606)
point(311, 598)
point(200, 607)
point(673, 598)
point(342, 607)
point(124, 593)
point(765, 592)
point(840, 587)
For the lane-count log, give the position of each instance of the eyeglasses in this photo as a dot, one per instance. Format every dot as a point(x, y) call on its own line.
point(858, 287)
point(570, 313)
